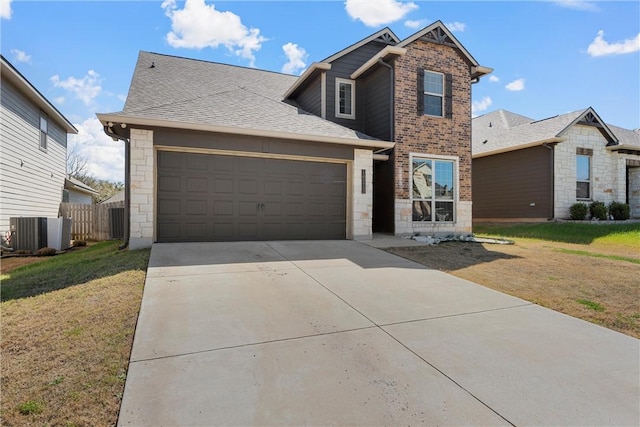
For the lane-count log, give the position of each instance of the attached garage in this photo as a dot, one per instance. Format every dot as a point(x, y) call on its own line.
point(211, 197)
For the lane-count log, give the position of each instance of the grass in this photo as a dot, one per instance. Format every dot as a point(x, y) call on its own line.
point(589, 271)
point(67, 329)
point(627, 234)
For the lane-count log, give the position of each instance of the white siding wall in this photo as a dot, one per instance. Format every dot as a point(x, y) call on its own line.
point(80, 198)
point(35, 188)
point(608, 182)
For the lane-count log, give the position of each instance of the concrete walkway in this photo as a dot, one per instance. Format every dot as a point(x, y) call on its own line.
point(341, 333)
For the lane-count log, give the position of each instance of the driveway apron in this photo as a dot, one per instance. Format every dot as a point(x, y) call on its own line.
point(341, 333)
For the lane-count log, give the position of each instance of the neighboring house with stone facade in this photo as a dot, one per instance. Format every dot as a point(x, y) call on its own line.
point(33, 150)
point(376, 137)
point(525, 169)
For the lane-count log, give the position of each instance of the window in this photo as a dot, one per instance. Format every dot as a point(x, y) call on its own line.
point(583, 177)
point(345, 99)
point(44, 125)
point(433, 93)
point(433, 190)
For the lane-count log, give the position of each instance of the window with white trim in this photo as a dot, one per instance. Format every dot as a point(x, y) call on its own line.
point(433, 190)
point(433, 93)
point(345, 98)
point(44, 131)
point(583, 177)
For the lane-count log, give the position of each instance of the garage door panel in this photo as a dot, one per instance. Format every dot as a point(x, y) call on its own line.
point(224, 198)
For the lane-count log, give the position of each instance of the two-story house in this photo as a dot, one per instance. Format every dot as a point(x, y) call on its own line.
point(376, 137)
point(33, 150)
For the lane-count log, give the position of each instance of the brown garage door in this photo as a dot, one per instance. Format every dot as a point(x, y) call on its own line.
point(208, 198)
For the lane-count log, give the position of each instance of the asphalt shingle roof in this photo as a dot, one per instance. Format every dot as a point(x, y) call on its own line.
point(206, 93)
point(503, 130)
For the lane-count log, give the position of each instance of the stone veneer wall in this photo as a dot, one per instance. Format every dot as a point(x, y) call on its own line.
point(608, 169)
point(432, 135)
point(362, 218)
point(142, 203)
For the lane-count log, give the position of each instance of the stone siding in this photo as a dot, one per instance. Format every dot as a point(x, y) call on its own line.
point(142, 202)
point(608, 170)
point(362, 218)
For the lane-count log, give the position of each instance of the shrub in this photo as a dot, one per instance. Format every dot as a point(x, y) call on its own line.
point(619, 211)
point(46, 252)
point(598, 210)
point(578, 211)
point(79, 243)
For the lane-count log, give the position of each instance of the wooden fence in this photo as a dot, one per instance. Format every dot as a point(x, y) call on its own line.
point(89, 222)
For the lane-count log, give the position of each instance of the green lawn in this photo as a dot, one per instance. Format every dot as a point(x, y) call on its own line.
point(627, 234)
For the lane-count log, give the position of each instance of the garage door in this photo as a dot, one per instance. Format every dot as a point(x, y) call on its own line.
point(203, 197)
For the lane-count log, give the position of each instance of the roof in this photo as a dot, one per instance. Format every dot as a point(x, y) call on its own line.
point(10, 73)
point(71, 183)
point(384, 34)
point(117, 197)
point(501, 131)
point(194, 94)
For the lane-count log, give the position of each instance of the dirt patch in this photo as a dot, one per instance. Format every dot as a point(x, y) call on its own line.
point(601, 290)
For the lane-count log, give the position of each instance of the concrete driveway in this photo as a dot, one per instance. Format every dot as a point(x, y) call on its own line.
point(341, 333)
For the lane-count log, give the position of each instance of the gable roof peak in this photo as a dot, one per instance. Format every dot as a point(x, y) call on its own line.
point(384, 35)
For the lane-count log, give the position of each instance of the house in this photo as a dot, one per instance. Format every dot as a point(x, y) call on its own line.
point(525, 169)
point(376, 137)
point(33, 150)
point(78, 192)
point(116, 198)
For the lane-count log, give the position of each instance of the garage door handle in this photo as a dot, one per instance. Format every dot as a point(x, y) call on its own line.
point(260, 207)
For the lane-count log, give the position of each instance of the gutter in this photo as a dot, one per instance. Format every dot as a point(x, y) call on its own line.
point(391, 96)
point(127, 183)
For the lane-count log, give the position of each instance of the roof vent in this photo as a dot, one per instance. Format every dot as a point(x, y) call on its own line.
point(490, 124)
point(153, 64)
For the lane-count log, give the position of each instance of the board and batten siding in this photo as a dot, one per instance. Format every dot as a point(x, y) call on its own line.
point(513, 185)
point(31, 180)
point(376, 92)
point(342, 68)
point(310, 99)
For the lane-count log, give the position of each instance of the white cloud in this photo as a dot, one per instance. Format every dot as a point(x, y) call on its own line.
point(296, 58)
point(105, 157)
point(494, 79)
point(600, 47)
point(415, 24)
point(577, 5)
point(59, 100)
point(456, 26)
point(86, 89)
point(515, 85)
point(199, 25)
point(5, 9)
point(378, 12)
point(479, 106)
point(20, 56)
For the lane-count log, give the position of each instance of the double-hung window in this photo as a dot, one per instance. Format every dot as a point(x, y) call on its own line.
point(433, 193)
point(345, 98)
point(583, 177)
point(433, 93)
point(44, 130)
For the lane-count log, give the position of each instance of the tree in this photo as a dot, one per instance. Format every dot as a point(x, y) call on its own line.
point(78, 168)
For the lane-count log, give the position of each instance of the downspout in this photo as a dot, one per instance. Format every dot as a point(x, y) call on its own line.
point(127, 182)
point(553, 178)
point(391, 97)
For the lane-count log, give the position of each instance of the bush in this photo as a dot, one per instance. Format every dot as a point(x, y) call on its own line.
point(79, 243)
point(619, 211)
point(46, 252)
point(578, 211)
point(598, 210)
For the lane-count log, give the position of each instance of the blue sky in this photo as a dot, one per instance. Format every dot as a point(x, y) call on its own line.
point(549, 57)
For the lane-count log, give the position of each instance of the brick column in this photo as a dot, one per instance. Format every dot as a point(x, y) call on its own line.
point(142, 189)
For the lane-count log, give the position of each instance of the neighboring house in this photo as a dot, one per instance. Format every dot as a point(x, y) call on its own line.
point(525, 169)
point(376, 137)
point(78, 192)
point(117, 197)
point(33, 150)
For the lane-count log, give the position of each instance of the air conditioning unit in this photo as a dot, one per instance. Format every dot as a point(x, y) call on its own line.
point(28, 233)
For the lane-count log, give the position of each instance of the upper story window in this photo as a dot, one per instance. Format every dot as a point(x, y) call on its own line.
point(433, 186)
point(433, 92)
point(345, 98)
point(44, 131)
point(583, 177)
